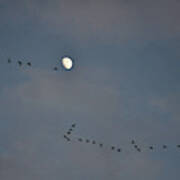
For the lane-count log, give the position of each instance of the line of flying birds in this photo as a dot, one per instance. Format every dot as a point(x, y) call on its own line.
point(66, 62)
point(68, 134)
point(20, 63)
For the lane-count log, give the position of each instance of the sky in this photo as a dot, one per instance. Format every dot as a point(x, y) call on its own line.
point(124, 86)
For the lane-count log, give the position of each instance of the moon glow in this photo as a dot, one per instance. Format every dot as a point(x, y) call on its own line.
point(67, 63)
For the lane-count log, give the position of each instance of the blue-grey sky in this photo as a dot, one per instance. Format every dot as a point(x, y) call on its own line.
point(125, 85)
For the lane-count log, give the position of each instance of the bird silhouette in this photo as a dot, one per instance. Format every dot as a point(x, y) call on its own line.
point(132, 142)
point(151, 147)
point(9, 60)
point(93, 142)
point(29, 64)
point(55, 68)
point(101, 145)
point(73, 125)
point(20, 63)
point(80, 140)
point(164, 147)
point(112, 148)
point(118, 150)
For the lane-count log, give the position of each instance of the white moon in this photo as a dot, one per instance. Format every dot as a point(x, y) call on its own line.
point(67, 63)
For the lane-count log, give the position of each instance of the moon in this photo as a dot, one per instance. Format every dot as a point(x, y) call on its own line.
point(67, 63)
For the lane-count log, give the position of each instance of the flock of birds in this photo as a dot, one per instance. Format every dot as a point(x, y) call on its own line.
point(20, 63)
point(68, 135)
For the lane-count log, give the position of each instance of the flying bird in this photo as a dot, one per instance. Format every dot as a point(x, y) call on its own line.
point(68, 132)
point(80, 140)
point(93, 142)
point(151, 147)
point(118, 150)
point(66, 138)
point(20, 63)
point(29, 64)
point(101, 145)
point(112, 148)
point(73, 125)
point(9, 60)
point(55, 68)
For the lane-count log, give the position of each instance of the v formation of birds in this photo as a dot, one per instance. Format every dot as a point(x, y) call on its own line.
point(67, 136)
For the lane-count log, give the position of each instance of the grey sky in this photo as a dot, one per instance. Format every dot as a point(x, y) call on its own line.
point(125, 85)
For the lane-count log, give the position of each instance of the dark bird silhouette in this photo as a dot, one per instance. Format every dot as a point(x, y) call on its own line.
point(136, 146)
point(73, 125)
point(9, 60)
point(101, 145)
point(87, 141)
point(70, 129)
point(65, 136)
point(138, 149)
point(132, 142)
point(164, 147)
point(80, 140)
point(55, 68)
point(178, 146)
point(118, 150)
point(151, 147)
point(68, 132)
point(93, 142)
point(29, 64)
point(68, 139)
point(20, 63)
point(112, 148)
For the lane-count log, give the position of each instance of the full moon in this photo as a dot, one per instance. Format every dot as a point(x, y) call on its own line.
point(67, 63)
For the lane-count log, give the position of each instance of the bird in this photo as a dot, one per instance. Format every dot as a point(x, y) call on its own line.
point(132, 142)
point(68, 132)
point(80, 140)
point(66, 138)
point(101, 145)
point(136, 146)
point(178, 146)
point(138, 149)
point(29, 64)
point(87, 141)
point(73, 125)
point(20, 63)
point(93, 142)
point(151, 147)
point(164, 146)
point(118, 150)
point(112, 147)
point(9, 60)
point(70, 129)
point(55, 68)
